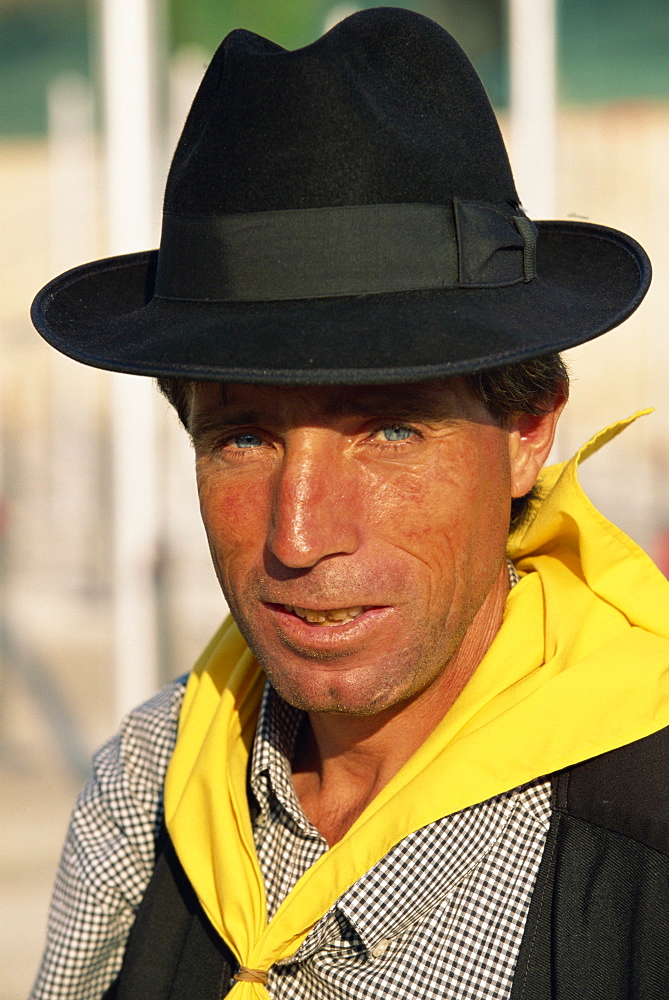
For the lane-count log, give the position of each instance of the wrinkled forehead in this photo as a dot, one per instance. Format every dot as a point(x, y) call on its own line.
point(430, 400)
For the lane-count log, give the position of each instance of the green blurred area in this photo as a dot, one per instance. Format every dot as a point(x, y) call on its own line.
point(609, 50)
point(614, 49)
point(38, 40)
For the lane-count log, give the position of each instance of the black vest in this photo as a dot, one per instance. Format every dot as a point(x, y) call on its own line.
point(597, 926)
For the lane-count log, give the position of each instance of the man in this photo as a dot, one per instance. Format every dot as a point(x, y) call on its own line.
point(451, 785)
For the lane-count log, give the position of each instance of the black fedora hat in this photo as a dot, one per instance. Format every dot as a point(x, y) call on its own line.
point(343, 213)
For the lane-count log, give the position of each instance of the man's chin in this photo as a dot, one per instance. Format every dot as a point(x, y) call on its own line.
point(347, 689)
point(332, 703)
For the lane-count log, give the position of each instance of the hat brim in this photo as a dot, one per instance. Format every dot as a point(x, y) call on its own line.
point(589, 279)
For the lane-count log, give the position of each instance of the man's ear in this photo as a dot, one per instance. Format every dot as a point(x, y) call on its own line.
point(530, 440)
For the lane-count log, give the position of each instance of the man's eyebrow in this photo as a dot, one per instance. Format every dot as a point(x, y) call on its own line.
point(203, 424)
point(424, 403)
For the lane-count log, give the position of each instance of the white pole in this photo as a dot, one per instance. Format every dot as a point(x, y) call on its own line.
point(532, 36)
point(129, 79)
point(533, 70)
point(129, 33)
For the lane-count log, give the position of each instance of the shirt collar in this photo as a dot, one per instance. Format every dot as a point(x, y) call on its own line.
point(378, 908)
point(270, 770)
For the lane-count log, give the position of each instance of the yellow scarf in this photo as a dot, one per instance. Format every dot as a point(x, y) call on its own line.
point(580, 666)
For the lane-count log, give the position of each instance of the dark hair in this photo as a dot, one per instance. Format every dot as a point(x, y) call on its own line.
point(524, 387)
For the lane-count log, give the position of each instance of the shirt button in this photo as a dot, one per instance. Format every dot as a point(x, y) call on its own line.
point(379, 948)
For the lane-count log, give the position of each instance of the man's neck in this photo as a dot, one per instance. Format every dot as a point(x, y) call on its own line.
point(343, 761)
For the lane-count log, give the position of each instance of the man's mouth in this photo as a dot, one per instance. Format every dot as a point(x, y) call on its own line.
point(331, 616)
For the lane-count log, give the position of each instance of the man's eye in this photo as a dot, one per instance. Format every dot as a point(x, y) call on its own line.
point(245, 441)
point(396, 432)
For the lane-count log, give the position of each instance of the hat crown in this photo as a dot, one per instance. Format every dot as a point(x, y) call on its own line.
point(343, 214)
point(383, 108)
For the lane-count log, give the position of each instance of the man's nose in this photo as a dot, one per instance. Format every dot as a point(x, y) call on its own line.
point(315, 505)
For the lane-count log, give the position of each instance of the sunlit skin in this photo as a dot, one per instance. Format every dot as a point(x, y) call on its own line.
point(391, 498)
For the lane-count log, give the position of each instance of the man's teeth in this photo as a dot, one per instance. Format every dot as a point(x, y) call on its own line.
point(336, 616)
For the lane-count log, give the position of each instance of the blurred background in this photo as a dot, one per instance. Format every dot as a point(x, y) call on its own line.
point(105, 579)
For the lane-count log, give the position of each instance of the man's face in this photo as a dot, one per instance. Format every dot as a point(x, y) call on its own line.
point(355, 531)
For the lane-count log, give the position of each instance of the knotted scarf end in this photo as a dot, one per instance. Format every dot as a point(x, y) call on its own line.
point(251, 976)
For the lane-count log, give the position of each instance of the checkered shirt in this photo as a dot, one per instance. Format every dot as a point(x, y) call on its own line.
point(441, 915)
point(109, 854)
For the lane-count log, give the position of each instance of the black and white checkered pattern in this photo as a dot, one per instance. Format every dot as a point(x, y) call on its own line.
point(441, 915)
point(109, 853)
point(513, 573)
